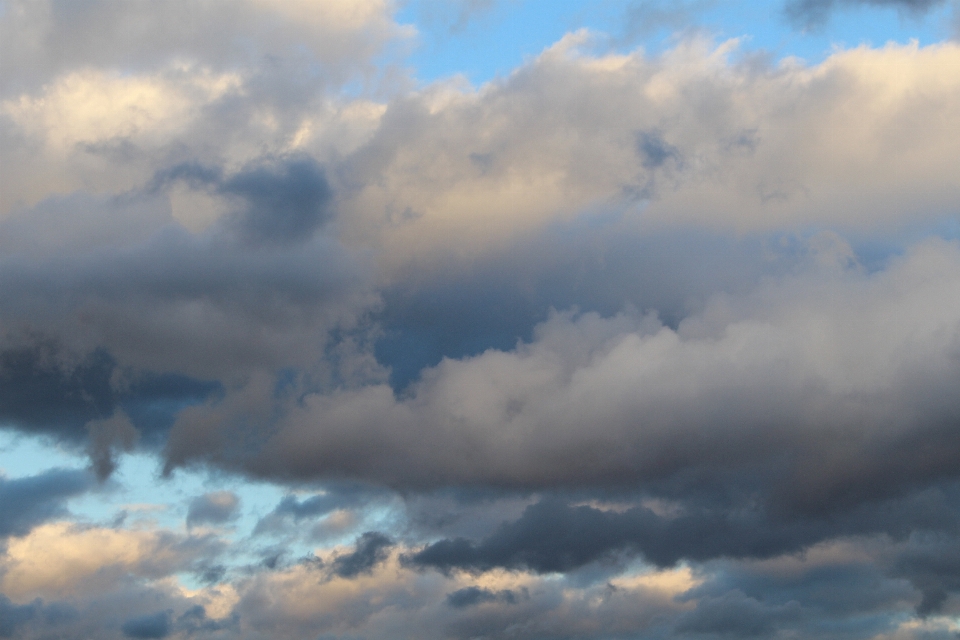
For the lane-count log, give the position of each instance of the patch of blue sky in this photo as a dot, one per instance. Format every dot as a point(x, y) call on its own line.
point(485, 39)
point(24, 455)
point(137, 492)
point(138, 495)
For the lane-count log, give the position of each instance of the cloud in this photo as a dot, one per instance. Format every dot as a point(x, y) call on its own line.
point(284, 204)
point(932, 565)
point(341, 35)
point(737, 616)
point(551, 536)
point(764, 148)
point(63, 560)
point(156, 625)
point(13, 616)
point(106, 436)
point(283, 201)
point(815, 13)
point(336, 498)
point(372, 548)
point(212, 508)
point(471, 596)
point(30, 501)
point(616, 344)
point(50, 389)
point(230, 306)
point(773, 373)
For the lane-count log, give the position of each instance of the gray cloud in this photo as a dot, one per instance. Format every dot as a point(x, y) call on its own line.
point(13, 616)
point(156, 625)
point(285, 203)
point(655, 151)
point(372, 548)
point(335, 496)
point(212, 508)
point(471, 596)
point(736, 616)
point(815, 13)
point(733, 426)
point(283, 200)
point(551, 536)
point(229, 305)
point(32, 500)
point(57, 37)
point(40, 388)
point(932, 564)
point(748, 413)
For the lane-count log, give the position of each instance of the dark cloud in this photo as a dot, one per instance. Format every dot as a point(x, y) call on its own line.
point(816, 13)
point(371, 549)
point(738, 616)
point(40, 388)
point(285, 202)
point(712, 397)
point(471, 596)
point(155, 625)
point(48, 388)
point(212, 508)
point(32, 500)
point(494, 303)
point(195, 621)
point(931, 561)
point(201, 306)
point(552, 536)
point(655, 151)
point(283, 199)
point(30, 620)
point(13, 616)
point(842, 577)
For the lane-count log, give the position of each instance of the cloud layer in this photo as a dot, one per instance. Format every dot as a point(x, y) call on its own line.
point(615, 344)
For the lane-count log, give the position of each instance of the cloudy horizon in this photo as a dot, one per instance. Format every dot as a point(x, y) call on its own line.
point(480, 319)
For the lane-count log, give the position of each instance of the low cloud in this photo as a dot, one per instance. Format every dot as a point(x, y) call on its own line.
point(372, 548)
point(617, 344)
point(155, 625)
point(752, 385)
point(812, 14)
point(30, 501)
point(213, 508)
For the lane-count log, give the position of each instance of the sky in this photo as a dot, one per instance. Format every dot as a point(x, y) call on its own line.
point(346, 319)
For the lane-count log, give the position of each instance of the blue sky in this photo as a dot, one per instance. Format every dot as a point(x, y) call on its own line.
point(485, 40)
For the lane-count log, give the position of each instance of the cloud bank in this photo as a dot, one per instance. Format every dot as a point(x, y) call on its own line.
point(615, 344)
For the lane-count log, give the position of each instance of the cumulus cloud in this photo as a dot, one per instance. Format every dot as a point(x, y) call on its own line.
point(830, 353)
point(616, 344)
point(59, 559)
point(693, 138)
